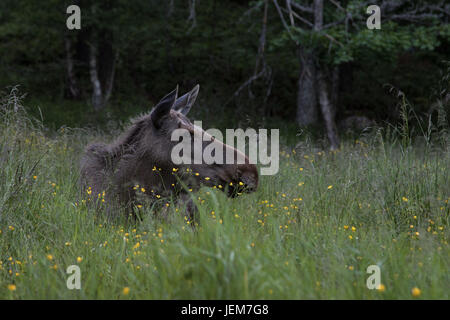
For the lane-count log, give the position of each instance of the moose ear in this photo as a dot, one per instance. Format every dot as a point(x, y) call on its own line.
point(163, 107)
point(185, 102)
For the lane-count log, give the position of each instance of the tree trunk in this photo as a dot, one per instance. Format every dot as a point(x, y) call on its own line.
point(97, 96)
point(328, 111)
point(107, 65)
point(73, 92)
point(110, 78)
point(326, 104)
point(318, 15)
point(307, 112)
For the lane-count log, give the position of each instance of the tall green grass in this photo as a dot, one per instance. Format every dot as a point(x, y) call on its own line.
point(309, 232)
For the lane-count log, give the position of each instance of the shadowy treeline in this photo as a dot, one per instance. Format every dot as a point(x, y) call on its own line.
point(305, 62)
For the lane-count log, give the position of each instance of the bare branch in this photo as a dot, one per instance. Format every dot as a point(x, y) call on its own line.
point(443, 10)
point(335, 23)
point(260, 60)
point(282, 19)
point(249, 12)
point(311, 25)
point(318, 21)
point(288, 6)
point(248, 82)
point(302, 8)
point(192, 16)
point(299, 18)
point(332, 39)
point(338, 5)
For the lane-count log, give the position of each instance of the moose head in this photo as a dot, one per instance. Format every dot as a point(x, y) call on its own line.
point(143, 156)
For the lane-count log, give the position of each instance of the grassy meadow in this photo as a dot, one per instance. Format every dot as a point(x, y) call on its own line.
point(309, 232)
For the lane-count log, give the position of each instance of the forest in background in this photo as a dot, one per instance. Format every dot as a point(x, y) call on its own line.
point(297, 63)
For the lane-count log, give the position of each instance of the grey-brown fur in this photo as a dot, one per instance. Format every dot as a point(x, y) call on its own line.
point(113, 170)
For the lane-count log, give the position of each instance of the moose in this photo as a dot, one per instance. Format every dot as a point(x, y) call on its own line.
point(140, 161)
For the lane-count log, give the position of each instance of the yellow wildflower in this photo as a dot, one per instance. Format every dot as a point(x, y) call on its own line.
point(416, 292)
